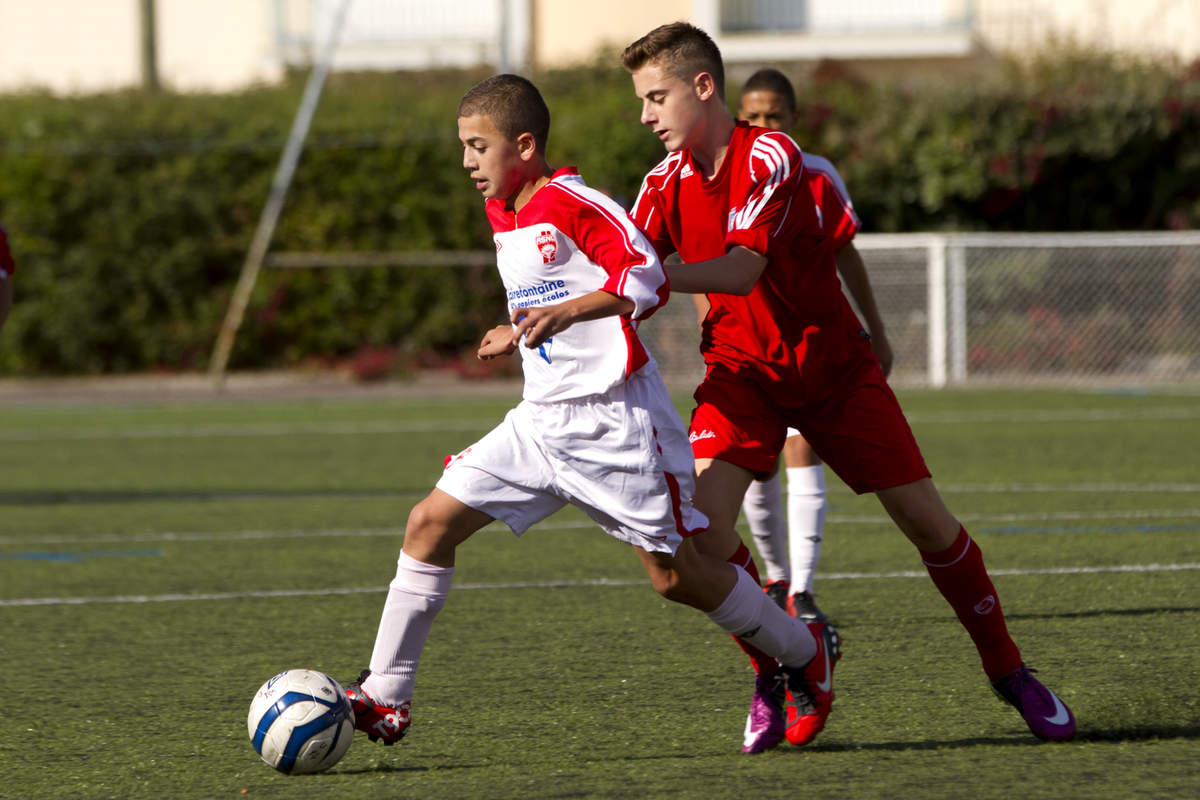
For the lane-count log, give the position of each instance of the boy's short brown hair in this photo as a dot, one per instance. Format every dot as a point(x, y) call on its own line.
point(682, 50)
point(513, 104)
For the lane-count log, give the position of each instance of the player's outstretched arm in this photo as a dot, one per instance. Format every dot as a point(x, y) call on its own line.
point(499, 341)
point(541, 322)
point(854, 274)
point(736, 272)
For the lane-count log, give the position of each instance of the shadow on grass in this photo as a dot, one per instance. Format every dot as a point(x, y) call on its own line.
point(1134, 734)
point(1107, 612)
point(1139, 733)
point(414, 769)
point(94, 496)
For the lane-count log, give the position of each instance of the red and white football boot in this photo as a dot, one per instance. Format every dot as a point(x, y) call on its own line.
point(378, 722)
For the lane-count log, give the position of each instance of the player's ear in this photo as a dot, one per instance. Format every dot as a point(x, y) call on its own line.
point(704, 85)
point(526, 146)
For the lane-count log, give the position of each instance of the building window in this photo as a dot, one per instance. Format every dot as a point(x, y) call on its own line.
point(844, 17)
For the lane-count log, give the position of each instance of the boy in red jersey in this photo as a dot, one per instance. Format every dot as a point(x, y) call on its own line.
point(790, 544)
point(781, 344)
point(595, 428)
point(7, 268)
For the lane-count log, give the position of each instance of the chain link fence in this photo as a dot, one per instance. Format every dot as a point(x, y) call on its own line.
point(1013, 309)
point(1098, 309)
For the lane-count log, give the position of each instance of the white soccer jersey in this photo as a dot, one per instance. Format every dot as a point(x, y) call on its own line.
point(567, 241)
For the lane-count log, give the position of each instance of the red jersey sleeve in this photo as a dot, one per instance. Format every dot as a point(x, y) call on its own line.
point(7, 265)
point(649, 214)
point(760, 205)
point(609, 238)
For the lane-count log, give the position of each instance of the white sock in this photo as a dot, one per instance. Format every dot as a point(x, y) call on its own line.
point(806, 522)
point(750, 614)
point(415, 596)
point(763, 506)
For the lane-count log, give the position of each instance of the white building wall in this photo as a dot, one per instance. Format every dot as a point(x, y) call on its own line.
point(71, 46)
point(1149, 27)
point(216, 44)
point(75, 46)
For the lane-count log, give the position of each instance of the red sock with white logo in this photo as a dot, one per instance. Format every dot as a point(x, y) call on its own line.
point(761, 661)
point(959, 574)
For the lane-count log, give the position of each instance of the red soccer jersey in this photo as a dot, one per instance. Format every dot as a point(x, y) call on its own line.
point(795, 333)
point(7, 265)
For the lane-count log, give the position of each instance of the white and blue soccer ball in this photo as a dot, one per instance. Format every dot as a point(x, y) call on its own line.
point(300, 721)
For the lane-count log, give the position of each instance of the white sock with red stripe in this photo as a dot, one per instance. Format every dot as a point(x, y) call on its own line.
point(752, 616)
point(763, 507)
point(415, 597)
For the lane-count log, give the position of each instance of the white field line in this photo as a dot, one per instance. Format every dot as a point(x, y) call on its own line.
point(1059, 415)
point(1087, 488)
point(435, 426)
point(345, 533)
point(39, 497)
point(845, 576)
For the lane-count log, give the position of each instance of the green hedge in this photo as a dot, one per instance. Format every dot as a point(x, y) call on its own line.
point(130, 214)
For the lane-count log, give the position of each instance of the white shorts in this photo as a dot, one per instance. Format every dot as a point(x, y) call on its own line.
point(622, 457)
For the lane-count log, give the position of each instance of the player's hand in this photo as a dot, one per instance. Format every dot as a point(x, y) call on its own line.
point(539, 324)
point(499, 341)
point(883, 351)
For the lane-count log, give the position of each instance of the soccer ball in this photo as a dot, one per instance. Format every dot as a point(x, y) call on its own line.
point(300, 721)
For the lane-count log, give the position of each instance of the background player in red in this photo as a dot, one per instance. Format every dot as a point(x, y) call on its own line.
point(7, 268)
point(790, 545)
point(596, 427)
point(781, 344)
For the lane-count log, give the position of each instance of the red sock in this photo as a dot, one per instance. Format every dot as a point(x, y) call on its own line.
point(959, 574)
point(758, 658)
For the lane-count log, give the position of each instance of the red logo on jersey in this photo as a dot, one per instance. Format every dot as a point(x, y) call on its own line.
point(547, 245)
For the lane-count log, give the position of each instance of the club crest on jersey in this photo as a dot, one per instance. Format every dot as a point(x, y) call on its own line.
point(547, 245)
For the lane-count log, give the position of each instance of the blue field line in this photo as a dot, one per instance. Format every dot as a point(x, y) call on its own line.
point(240, 429)
point(563, 584)
point(79, 558)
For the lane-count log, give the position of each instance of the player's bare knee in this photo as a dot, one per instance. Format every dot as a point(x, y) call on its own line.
point(668, 582)
point(427, 531)
point(421, 520)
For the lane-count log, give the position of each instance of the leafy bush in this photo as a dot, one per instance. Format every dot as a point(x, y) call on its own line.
point(131, 214)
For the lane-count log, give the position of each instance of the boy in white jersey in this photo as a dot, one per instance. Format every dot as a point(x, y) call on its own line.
point(595, 428)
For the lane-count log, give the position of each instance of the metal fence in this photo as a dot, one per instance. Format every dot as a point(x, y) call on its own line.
point(1118, 309)
point(1104, 309)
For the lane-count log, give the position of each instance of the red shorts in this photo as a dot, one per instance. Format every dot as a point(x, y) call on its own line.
point(859, 430)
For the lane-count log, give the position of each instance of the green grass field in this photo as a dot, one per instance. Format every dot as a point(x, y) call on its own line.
point(160, 560)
